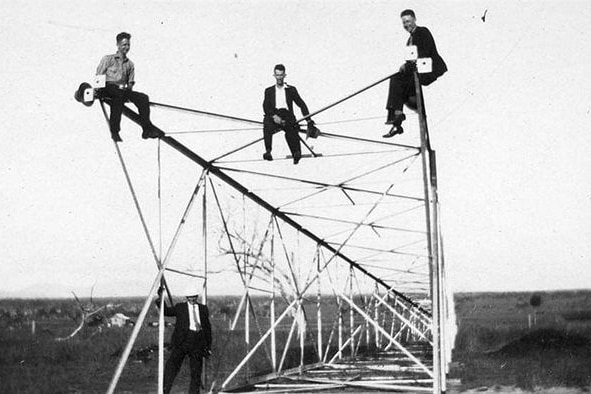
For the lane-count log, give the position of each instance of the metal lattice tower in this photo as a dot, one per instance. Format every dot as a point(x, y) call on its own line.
point(340, 262)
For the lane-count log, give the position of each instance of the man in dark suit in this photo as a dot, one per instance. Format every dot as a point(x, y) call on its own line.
point(402, 83)
point(278, 108)
point(191, 337)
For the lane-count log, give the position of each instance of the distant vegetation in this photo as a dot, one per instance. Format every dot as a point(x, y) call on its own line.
point(494, 345)
point(86, 362)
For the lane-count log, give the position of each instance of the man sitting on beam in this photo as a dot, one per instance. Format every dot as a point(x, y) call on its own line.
point(119, 73)
point(278, 108)
point(402, 83)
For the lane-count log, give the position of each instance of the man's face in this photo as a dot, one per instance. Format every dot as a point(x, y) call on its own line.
point(123, 46)
point(193, 299)
point(279, 76)
point(409, 23)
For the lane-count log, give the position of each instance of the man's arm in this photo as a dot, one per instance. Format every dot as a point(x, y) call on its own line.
point(103, 65)
point(303, 107)
point(206, 326)
point(300, 102)
point(168, 310)
point(424, 42)
point(131, 76)
point(268, 104)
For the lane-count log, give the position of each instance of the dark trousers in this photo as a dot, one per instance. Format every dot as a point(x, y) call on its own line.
point(402, 86)
point(174, 362)
point(291, 131)
point(119, 97)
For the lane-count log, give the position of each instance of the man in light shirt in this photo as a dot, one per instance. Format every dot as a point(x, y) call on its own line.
point(278, 108)
point(191, 337)
point(119, 73)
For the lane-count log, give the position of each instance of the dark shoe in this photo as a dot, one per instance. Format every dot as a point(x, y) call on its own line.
point(394, 131)
point(115, 136)
point(296, 157)
point(151, 132)
point(155, 134)
point(268, 156)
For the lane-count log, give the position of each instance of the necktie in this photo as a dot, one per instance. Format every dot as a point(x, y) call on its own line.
point(195, 309)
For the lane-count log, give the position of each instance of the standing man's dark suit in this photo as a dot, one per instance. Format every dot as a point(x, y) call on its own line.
point(278, 117)
point(402, 83)
point(186, 342)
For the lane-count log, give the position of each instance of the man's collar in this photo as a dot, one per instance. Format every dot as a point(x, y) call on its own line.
point(285, 86)
point(119, 55)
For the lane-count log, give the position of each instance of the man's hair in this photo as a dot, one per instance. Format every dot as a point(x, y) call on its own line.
point(123, 35)
point(408, 12)
point(279, 67)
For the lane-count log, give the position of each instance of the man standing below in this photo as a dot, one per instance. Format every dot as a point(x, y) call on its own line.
point(191, 337)
point(119, 74)
point(402, 83)
point(278, 107)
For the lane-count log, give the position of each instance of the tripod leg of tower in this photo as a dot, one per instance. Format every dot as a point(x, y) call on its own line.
point(431, 210)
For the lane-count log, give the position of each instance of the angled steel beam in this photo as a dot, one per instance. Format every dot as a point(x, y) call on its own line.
point(211, 114)
point(345, 98)
point(400, 347)
point(214, 170)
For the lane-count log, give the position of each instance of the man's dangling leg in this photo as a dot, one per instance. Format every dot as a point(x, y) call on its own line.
point(117, 97)
point(196, 364)
point(401, 87)
point(142, 102)
point(292, 138)
point(173, 365)
point(268, 130)
point(397, 95)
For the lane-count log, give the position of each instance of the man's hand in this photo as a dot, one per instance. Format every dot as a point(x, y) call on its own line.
point(409, 66)
point(277, 119)
point(312, 131)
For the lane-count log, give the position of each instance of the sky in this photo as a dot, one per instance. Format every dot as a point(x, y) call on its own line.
point(509, 121)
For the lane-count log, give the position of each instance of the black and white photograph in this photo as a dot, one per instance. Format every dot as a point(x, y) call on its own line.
point(295, 196)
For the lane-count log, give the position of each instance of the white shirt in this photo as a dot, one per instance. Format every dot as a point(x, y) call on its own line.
point(280, 98)
point(194, 317)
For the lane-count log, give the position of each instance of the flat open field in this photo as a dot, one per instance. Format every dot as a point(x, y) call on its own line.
point(504, 344)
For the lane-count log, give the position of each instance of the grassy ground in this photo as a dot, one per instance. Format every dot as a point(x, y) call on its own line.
point(504, 341)
point(31, 363)
point(497, 350)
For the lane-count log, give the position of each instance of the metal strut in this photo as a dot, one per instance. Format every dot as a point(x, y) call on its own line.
point(212, 169)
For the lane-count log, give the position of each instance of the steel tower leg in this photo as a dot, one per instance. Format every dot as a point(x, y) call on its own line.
point(429, 177)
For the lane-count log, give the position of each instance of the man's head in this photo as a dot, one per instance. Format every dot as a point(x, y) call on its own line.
point(279, 74)
point(123, 44)
point(409, 20)
point(193, 298)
